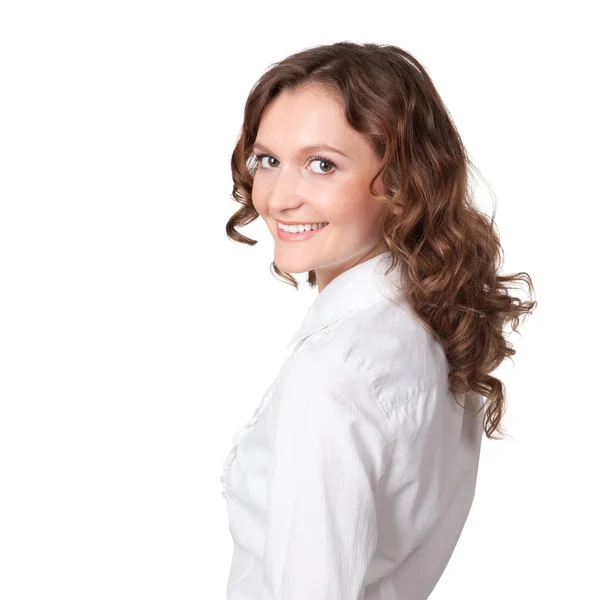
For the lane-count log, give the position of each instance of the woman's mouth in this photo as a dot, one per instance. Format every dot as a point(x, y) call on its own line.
point(288, 236)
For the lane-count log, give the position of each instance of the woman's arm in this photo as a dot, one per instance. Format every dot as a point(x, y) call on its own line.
point(330, 446)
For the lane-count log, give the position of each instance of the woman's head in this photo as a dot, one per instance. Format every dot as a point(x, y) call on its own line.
point(299, 180)
point(408, 155)
point(403, 187)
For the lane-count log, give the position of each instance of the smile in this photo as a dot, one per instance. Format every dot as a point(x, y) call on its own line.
point(288, 236)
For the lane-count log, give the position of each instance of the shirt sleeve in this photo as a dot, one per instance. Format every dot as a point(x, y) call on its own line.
point(330, 446)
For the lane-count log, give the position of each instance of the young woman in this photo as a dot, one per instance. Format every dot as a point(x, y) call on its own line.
point(356, 474)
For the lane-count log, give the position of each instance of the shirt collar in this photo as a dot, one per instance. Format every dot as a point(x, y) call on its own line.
point(361, 283)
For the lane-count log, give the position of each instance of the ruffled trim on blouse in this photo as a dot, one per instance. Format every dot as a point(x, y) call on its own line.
point(239, 437)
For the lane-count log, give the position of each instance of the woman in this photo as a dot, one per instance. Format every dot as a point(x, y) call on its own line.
point(357, 472)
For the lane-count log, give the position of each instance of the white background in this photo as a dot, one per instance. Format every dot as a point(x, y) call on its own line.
point(136, 339)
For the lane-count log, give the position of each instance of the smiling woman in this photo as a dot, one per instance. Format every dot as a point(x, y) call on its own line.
point(293, 185)
point(357, 471)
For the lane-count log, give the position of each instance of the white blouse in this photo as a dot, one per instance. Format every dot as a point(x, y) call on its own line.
point(356, 473)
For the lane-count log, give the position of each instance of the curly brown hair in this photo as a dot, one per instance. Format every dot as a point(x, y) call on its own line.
point(449, 249)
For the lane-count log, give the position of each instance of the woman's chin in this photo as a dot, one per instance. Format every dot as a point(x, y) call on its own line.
point(290, 264)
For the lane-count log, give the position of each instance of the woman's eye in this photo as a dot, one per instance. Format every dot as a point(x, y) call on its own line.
point(321, 161)
point(260, 160)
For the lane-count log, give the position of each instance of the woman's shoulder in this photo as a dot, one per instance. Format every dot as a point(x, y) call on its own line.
point(320, 374)
point(385, 343)
point(320, 390)
point(324, 364)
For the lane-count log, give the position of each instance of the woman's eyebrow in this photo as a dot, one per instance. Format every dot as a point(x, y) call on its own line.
point(311, 148)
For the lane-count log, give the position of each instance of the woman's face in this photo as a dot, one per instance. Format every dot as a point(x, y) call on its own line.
point(291, 185)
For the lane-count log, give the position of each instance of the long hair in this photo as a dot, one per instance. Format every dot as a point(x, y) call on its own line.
point(449, 250)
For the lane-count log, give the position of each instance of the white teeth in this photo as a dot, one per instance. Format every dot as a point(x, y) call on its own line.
point(301, 228)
